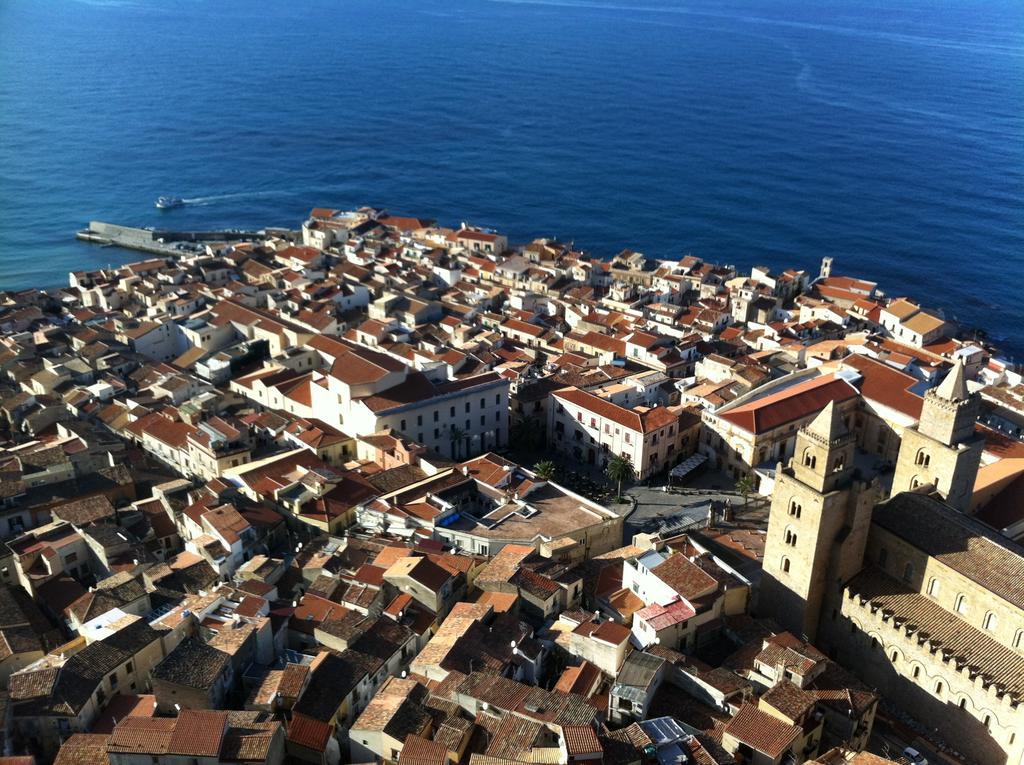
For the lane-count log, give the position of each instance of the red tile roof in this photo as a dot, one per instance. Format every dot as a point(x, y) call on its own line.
point(793, 403)
point(762, 731)
point(198, 733)
point(309, 732)
point(886, 385)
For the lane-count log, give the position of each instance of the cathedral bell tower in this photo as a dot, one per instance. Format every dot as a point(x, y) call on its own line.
point(943, 451)
point(817, 525)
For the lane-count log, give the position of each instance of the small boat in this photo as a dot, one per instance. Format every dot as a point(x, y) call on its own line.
point(168, 203)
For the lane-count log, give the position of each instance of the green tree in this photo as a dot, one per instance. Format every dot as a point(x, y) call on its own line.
point(545, 469)
point(745, 486)
point(455, 435)
point(620, 470)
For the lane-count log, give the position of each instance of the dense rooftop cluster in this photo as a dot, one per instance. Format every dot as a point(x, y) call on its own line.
point(336, 495)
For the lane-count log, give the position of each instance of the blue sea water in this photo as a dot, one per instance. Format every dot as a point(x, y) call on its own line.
point(888, 134)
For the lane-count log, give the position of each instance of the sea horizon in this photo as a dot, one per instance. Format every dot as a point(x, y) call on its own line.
point(743, 133)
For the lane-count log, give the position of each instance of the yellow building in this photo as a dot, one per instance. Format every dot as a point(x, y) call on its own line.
point(922, 600)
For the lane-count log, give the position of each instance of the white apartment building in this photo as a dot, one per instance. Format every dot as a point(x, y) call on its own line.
point(592, 429)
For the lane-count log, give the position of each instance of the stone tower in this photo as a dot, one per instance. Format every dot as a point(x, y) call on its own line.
point(817, 525)
point(826, 268)
point(943, 451)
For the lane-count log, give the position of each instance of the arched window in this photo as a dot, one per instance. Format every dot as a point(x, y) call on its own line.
point(963, 702)
point(988, 722)
point(790, 537)
point(933, 587)
point(895, 656)
point(1018, 639)
point(938, 688)
point(923, 458)
point(961, 604)
point(785, 565)
point(990, 621)
point(839, 464)
point(794, 508)
point(809, 459)
point(916, 673)
point(914, 483)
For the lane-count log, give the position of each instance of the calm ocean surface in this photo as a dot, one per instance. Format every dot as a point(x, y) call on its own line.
point(886, 133)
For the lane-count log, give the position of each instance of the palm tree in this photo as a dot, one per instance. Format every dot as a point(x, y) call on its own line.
point(745, 486)
point(455, 435)
point(545, 470)
point(620, 469)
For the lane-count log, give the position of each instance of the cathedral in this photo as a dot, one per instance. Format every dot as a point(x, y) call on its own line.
point(923, 601)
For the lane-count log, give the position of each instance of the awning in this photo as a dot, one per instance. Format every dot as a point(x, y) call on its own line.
point(688, 465)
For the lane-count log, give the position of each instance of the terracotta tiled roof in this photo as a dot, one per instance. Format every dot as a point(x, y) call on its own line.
point(84, 749)
point(686, 578)
point(309, 733)
point(793, 403)
point(198, 733)
point(762, 731)
point(967, 648)
point(581, 739)
point(422, 751)
point(147, 735)
point(958, 541)
point(886, 385)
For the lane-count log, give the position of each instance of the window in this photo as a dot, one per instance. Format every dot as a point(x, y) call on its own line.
point(961, 604)
point(809, 459)
point(839, 464)
point(962, 703)
point(916, 673)
point(129, 668)
point(497, 400)
point(794, 508)
point(452, 413)
point(939, 688)
point(987, 721)
point(1018, 639)
point(933, 587)
point(790, 538)
point(437, 415)
point(483, 403)
point(990, 622)
point(467, 407)
point(419, 419)
point(113, 679)
point(908, 572)
point(785, 565)
point(923, 458)
point(483, 419)
point(401, 426)
point(437, 432)
point(895, 657)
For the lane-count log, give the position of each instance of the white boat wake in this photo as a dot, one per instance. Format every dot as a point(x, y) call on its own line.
point(214, 198)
